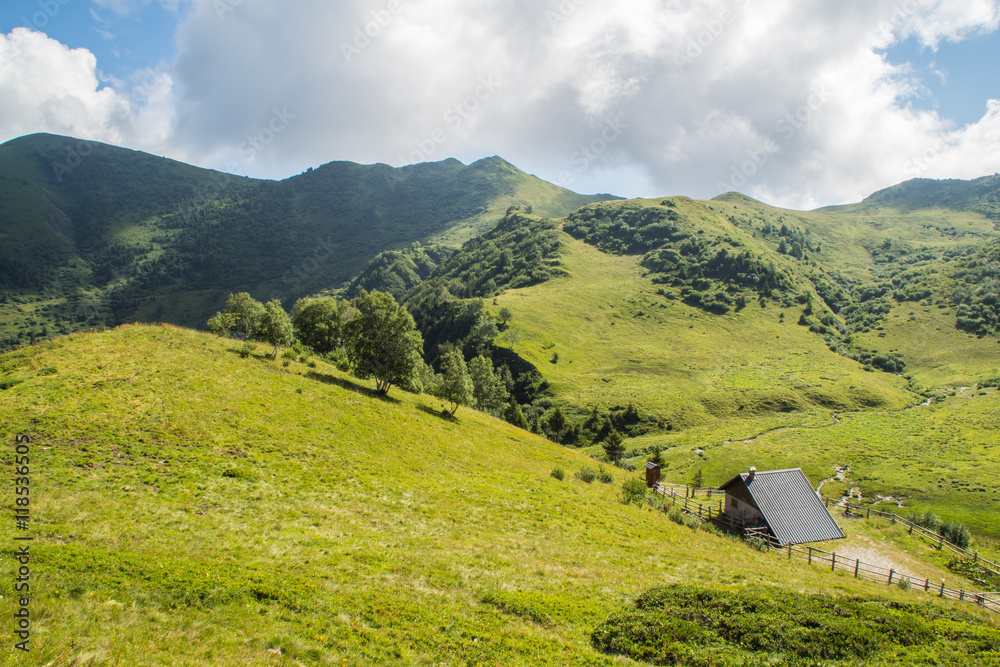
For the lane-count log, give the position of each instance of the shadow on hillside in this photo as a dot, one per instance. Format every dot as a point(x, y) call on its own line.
point(350, 386)
point(442, 414)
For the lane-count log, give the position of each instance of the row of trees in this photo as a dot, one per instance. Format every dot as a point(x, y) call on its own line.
point(374, 337)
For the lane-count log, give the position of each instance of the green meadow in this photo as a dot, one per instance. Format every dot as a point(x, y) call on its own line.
point(190, 507)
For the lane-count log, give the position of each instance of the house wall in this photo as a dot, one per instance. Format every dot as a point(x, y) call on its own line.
point(740, 505)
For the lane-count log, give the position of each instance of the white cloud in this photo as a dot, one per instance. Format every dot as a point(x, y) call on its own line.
point(48, 87)
point(792, 99)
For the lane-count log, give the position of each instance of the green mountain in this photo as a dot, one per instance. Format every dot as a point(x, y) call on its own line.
point(730, 331)
point(190, 507)
point(94, 235)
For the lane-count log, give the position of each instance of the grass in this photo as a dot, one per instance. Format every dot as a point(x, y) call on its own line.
point(619, 341)
point(940, 458)
point(191, 507)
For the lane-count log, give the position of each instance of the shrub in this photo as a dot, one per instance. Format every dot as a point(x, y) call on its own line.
point(605, 476)
point(633, 491)
point(586, 474)
point(679, 517)
point(558, 474)
point(247, 349)
point(758, 543)
point(289, 354)
point(956, 533)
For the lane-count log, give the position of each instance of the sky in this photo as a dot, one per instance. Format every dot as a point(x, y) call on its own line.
point(798, 103)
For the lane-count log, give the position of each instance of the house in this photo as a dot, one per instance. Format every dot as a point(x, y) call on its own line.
point(782, 500)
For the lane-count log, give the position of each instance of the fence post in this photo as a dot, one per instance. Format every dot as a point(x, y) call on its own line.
point(891, 572)
point(940, 542)
point(827, 501)
point(942, 588)
point(833, 565)
point(699, 510)
point(857, 565)
point(894, 518)
point(810, 555)
point(789, 552)
point(911, 529)
point(869, 514)
point(927, 585)
point(961, 596)
point(976, 560)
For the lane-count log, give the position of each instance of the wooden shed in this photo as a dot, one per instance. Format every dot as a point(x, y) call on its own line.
point(652, 474)
point(782, 500)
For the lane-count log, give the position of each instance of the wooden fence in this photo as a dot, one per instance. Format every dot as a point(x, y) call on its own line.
point(888, 576)
point(713, 512)
point(935, 538)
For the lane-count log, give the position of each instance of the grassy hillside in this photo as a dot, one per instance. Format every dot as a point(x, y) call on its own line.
point(617, 340)
point(192, 507)
point(93, 235)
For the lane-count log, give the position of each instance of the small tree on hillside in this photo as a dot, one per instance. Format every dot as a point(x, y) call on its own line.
point(275, 326)
point(515, 415)
point(319, 323)
point(383, 342)
point(657, 457)
point(455, 385)
point(614, 447)
point(240, 318)
point(489, 390)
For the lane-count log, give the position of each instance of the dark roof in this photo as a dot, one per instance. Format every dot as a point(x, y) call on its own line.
point(793, 511)
point(651, 465)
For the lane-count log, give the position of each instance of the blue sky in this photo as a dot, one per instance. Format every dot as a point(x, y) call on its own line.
point(960, 77)
point(799, 103)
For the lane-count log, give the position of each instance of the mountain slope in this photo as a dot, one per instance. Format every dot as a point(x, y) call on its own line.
point(94, 235)
point(192, 507)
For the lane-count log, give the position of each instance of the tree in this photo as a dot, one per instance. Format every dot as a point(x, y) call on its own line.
point(557, 421)
point(382, 341)
point(489, 389)
point(240, 318)
point(614, 447)
point(657, 456)
point(456, 385)
point(699, 479)
point(515, 415)
point(505, 315)
point(275, 326)
point(319, 323)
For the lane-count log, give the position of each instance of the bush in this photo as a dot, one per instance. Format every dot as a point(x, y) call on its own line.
point(956, 533)
point(289, 354)
point(688, 625)
point(633, 491)
point(679, 517)
point(758, 543)
point(558, 474)
point(605, 476)
point(586, 474)
point(247, 349)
